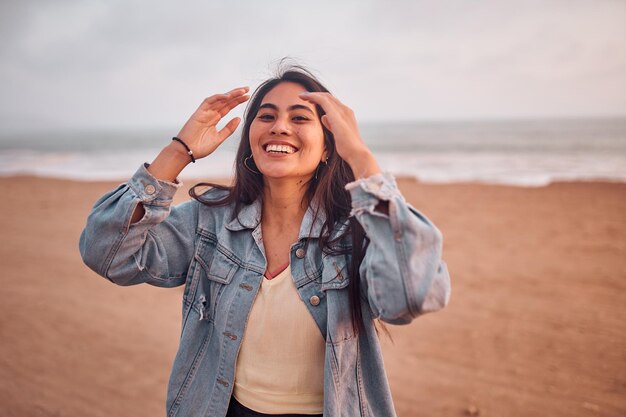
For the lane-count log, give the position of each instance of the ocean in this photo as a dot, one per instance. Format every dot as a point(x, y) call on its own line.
point(527, 153)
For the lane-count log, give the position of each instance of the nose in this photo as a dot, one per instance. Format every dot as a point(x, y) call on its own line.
point(280, 127)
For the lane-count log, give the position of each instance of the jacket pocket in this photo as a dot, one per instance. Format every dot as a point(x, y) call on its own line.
point(214, 271)
point(221, 269)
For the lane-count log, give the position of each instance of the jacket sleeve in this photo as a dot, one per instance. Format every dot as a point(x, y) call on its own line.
point(402, 270)
point(157, 249)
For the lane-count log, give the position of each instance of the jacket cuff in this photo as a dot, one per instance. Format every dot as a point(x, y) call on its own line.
point(366, 193)
point(152, 191)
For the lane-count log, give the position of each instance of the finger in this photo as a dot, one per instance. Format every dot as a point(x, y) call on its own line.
point(210, 101)
point(325, 100)
point(231, 104)
point(228, 130)
point(329, 99)
point(239, 91)
point(218, 99)
point(331, 104)
point(326, 123)
point(317, 98)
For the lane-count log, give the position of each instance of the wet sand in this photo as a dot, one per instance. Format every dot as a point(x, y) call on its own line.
point(536, 324)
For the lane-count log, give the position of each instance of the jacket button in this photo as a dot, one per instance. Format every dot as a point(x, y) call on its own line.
point(300, 253)
point(149, 189)
point(314, 300)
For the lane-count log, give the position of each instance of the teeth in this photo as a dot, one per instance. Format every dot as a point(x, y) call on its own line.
point(280, 148)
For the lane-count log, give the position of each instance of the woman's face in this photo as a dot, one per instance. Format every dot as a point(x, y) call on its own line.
point(286, 135)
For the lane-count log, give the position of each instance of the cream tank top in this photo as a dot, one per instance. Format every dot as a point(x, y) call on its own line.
point(280, 366)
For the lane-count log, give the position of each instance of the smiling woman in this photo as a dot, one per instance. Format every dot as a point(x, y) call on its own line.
point(286, 136)
point(287, 270)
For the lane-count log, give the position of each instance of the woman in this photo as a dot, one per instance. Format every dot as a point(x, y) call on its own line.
point(286, 271)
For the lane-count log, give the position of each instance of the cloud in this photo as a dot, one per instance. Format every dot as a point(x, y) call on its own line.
point(143, 63)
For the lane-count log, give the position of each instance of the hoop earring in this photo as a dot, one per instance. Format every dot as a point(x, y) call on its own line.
point(245, 163)
point(317, 170)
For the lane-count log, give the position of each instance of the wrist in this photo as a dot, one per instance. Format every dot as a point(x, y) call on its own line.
point(184, 145)
point(169, 163)
point(179, 151)
point(363, 164)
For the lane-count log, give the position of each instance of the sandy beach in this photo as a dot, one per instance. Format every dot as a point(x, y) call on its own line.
point(536, 324)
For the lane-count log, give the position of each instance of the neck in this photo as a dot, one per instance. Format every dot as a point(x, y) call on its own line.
point(283, 202)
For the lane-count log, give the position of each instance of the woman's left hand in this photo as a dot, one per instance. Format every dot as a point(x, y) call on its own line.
point(341, 121)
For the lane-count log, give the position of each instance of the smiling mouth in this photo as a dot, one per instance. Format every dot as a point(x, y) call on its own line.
point(285, 149)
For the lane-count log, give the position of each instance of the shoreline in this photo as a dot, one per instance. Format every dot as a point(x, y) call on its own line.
point(399, 178)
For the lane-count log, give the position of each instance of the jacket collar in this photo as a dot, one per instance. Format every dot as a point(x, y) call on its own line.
point(250, 217)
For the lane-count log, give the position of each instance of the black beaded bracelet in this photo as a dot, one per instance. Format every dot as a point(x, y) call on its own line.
point(189, 151)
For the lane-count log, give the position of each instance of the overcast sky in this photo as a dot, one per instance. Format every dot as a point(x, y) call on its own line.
point(113, 63)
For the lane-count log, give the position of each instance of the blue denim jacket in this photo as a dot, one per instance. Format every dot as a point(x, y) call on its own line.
point(221, 262)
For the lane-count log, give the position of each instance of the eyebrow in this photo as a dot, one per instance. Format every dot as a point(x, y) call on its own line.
point(290, 108)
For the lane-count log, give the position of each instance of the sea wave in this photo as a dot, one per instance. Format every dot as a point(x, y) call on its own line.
point(519, 169)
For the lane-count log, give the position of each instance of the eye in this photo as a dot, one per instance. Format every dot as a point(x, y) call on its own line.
point(265, 116)
point(300, 118)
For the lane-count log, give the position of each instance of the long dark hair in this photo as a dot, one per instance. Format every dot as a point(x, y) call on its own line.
point(326, 188)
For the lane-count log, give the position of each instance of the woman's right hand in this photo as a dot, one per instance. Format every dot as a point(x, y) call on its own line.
point(200, 132)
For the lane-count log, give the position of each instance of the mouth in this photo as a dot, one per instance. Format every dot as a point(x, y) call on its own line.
point(275, 148)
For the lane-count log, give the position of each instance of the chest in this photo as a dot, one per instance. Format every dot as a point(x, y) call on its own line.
point(226, 273)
